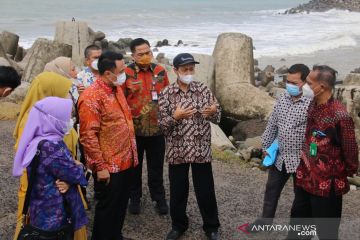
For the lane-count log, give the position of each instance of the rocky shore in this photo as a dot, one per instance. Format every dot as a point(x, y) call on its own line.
point(325, 5)
point(239, 189)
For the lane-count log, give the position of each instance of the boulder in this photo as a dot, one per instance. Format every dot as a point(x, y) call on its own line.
point(9, 110)
point(352, 79)
point(219, 139)
point(113, 46)
point(238, 133)
point(4, 62)
point(282, 70)
point(97, 43)
point(19, 69)
point(245, 154)
point(20, 53)
point(266, 76)
point(18, 95)
point(233, 55)
point(234, 74)
point(354, 180)
point(160, 58)
point(270, 86)
point(248, 129)
point(9, 41)
point(162, 43)
point(98, 36)
point(253, 142)
point(42, 52)
point(244, 101)
point(124, 43)
point(276, 92)
point(179, 43)
point(356, 70)
point(349, 95)
point(3, 53)
point(104, 44)
point(78, 35)
point(170, 72)
point(205, 71)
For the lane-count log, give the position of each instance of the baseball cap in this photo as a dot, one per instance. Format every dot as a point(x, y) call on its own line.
point(183, 59)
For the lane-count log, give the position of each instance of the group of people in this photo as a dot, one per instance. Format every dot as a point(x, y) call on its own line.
point(106, 119)
point(109, 116)
point(316, 147)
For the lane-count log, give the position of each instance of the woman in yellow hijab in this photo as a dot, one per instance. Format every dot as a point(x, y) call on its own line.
point(44, 85)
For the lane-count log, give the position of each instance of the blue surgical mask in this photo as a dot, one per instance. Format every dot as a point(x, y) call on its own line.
point(293, 90)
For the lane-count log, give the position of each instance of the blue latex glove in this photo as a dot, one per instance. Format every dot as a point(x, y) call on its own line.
point(271, 154)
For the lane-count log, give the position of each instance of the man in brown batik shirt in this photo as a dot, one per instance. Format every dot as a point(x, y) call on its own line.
point(186, 109)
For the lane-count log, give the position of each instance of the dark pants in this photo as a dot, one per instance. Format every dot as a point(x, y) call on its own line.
point(323, 212)
point(274, 186)
point(155, 150)
point(110, 210)
point(205, 195)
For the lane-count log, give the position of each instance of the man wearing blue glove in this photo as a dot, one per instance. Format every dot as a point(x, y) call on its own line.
point(287, 124)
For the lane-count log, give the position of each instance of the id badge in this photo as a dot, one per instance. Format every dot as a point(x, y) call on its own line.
point(313, 149)
point(154, 95)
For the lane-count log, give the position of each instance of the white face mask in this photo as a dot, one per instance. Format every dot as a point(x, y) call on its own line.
point(94, 64)
point(187, 79)
point(120, 79)
point(307, 91)
point(69, 126)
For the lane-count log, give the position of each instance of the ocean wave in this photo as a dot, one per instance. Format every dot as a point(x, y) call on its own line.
point(299, 49)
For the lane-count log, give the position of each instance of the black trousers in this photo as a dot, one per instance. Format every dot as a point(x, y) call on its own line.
point(204, 191)
point(323, 212)
point(155, 150)
point(110, 209)
point(274, 186)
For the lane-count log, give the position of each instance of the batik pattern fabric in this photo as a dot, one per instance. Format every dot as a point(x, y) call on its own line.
point(187, 140)
point(47, 209)
point(106, 128)
point(86, 77)
point(138, 90)
point(337, 150)
point(287, 123)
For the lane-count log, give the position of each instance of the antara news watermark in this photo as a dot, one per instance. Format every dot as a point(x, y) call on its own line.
point(301, 230)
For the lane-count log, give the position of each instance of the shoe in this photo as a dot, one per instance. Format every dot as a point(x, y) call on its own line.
point(174, 234)
point(213, 235)
point(162, 207)
point(134, 208)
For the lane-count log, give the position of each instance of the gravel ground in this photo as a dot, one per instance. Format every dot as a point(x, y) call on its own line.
point(239, 190)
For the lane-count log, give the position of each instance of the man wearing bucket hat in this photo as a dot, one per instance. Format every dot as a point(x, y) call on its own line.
point(186, 109)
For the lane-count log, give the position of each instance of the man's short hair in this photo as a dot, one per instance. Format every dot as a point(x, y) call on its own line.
point(300, 68)
point(107, 61)
point(137, 42)
point(90, 48)
point(325, 74)
point(9, 77)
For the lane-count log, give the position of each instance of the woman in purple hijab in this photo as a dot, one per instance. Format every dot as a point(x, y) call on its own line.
point(49, 120)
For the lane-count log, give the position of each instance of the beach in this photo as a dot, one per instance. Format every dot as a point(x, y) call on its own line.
point(239, 191)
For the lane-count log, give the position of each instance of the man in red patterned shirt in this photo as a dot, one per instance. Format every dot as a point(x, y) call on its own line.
point(108, 136)
point(328, 157)
point(144, 82)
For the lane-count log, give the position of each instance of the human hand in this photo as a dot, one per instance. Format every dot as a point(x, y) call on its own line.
point(183, 113)
point(209, 110)
point(63, 187)
point(80, 87)
point(103, 176)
